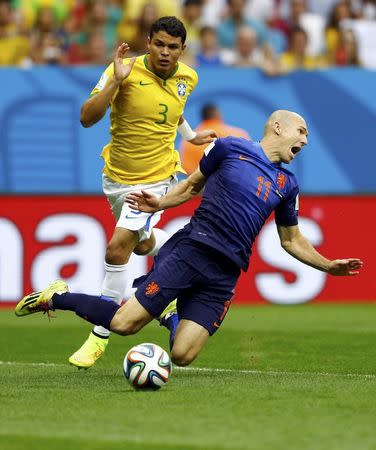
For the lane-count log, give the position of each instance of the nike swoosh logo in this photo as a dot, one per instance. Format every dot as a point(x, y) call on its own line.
point(131, 217)
point(144, 84)
point(243, 158)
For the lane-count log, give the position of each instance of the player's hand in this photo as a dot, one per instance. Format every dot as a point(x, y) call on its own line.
point(143, 201)
point(121, 70)
point(343, 267)
point(204, 137)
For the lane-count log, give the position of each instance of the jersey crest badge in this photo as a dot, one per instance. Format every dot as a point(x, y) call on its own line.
point(152, 288)
point(281, 180)
point(182, 89)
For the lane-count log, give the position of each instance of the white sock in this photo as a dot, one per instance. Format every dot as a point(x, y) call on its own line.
point(113, 286)
point(160, 238)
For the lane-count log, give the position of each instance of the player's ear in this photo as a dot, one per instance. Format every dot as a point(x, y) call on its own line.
point(149, 42)
point(183, 47)
point(277, 128)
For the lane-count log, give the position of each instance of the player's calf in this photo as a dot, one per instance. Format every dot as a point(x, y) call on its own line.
point(130, 318)
point(189, 340)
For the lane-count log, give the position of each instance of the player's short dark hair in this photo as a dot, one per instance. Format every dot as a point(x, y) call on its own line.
point(209, 111)
point(171, 25)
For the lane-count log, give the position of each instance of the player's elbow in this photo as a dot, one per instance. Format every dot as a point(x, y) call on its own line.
point(87, 115)
point(85, 121)
point(286, 244)
point(85, 124)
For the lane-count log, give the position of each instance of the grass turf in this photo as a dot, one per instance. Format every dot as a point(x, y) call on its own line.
point(297, 378)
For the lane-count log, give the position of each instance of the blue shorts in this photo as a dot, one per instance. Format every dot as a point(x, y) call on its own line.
point(201, 279)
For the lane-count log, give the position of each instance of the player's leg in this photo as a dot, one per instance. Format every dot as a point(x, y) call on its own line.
point(203, 307)
point(118, 253)
point(126, 319)
point(132, 229)
point(189, 340)
point(150, 247)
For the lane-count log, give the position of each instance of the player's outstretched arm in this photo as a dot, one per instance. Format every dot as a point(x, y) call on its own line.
point(184, 191)
point(204, 137)
point(300, 248)
point(195, 137)
point(95, 107)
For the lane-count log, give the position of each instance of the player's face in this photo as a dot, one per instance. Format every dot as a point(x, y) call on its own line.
point(165, 50)
point(294, 137)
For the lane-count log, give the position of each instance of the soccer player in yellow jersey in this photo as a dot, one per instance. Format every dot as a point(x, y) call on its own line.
point(147, 96)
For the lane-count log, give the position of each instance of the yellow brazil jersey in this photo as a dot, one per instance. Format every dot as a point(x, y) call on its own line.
point(144, 117)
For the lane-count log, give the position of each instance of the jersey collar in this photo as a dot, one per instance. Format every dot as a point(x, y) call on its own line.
point(171, 74)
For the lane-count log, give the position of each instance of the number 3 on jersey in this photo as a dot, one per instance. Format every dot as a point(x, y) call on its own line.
point(163, 112)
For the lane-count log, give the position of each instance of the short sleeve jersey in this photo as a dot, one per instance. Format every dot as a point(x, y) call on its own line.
point(144, 117)
point(243, 188)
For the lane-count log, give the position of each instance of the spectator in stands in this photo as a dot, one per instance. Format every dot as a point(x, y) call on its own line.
point(322, 7)
point(96, 52)
point(47, 49)
point(191, 17)
point(132, 8)
point(296, 56)
point(211, 116)
point(313, 24)
point(247, 54)
point(48, 40)
point(29, 9)
point(209, 52)
point(368, 9)
point(347, 51)
point(14, 46)
point(99, 18)
point(341, 11)
point(236, 18)
point(132, 11)
point(137, 33)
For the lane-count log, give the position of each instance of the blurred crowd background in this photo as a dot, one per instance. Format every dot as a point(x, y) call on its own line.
point(276, 36)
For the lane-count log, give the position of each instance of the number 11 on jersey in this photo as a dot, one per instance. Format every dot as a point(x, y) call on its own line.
point(261, 184)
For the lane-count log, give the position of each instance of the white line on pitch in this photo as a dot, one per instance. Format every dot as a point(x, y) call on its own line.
point(40, 364)
point(215, 370)
point(275, 372)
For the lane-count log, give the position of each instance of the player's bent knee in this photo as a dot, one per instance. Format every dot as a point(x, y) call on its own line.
point(114, 254)
point(144, 247)
point(125, 328)
point(181, 358)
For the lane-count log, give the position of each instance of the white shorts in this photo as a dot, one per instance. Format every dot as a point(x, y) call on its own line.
point(127, 217)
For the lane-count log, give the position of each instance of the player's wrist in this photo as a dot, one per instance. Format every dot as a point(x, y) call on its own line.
point(186, 131)
point(116, 81)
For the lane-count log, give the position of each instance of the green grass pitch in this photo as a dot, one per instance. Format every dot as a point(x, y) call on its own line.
point(272, 378)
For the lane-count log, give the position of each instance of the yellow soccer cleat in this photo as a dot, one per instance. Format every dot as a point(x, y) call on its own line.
point(91, 350)
point(167, 312)
point(40, 301)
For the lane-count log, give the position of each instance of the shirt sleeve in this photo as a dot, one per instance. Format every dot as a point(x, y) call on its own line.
point(213, 156)
point(286, 213)
point(195, 81)
point(106, 75)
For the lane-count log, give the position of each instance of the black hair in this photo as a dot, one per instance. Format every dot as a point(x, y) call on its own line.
point(209, 111)
point(171, 25)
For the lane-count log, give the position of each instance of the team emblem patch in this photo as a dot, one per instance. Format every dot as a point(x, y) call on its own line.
point(182, 89)
point(281, 180)
point(152, 288)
